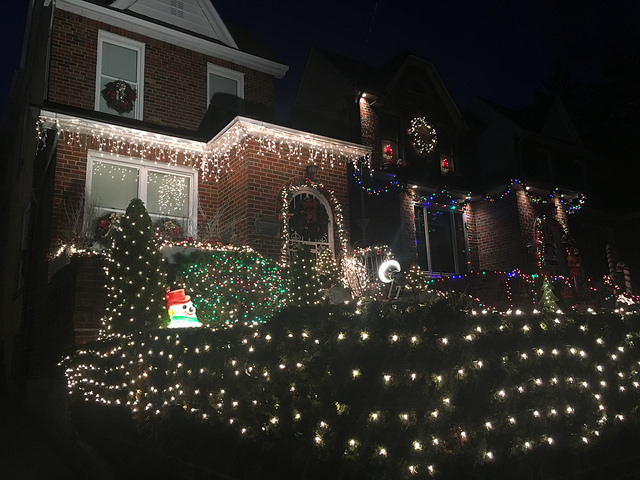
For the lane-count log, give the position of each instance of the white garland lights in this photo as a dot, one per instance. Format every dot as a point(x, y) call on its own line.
point(423, 136)
point(211, 158)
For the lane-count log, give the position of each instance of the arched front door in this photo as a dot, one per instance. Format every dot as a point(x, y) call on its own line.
point(310, 222)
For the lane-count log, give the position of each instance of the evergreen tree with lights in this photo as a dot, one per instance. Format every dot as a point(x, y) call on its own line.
point(548, 300)
point(303, 282)
point(136, 279)
point(327, 269)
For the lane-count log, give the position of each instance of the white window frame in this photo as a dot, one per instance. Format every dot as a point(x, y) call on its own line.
point(227, 73)
point(126, 43)
point(144, 167)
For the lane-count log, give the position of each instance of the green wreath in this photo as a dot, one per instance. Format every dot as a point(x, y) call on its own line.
point(308, 217)
point(120, 96)
point(423, 136)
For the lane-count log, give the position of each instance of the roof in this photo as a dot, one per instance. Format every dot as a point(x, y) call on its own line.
point(196, 26)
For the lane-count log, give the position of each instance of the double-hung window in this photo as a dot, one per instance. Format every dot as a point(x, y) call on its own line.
point(224, 81)
point(168, 191)
point(441, 239)
point(119, 59)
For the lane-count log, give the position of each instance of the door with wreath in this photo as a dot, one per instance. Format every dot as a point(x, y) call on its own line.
point(310, 222)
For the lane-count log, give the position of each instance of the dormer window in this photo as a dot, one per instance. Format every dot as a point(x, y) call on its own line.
point(119, 75)
point(389, 153)
point(223, 83)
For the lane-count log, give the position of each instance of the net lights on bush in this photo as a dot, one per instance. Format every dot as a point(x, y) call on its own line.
point(482, 388)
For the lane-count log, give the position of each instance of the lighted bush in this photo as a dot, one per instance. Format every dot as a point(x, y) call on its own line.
point(389, 390)
point(231, 285)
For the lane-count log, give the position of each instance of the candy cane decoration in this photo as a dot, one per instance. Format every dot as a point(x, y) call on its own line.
point(610, 261)
point(622, 267)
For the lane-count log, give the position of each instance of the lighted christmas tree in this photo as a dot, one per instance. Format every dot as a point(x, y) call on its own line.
point(303, 282)
point(548, 300)
point(327, 268)
point(136, 278)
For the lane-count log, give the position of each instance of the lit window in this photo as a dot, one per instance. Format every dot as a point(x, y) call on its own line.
point(446, 164)
point(441, 239)
point(120, 59)
point(168, 191)
point(229, 83)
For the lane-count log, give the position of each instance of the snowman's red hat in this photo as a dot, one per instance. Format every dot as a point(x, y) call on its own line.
point(176, 297)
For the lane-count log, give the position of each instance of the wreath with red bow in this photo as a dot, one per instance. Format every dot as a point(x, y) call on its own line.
point(120, 96)
point(309, 218)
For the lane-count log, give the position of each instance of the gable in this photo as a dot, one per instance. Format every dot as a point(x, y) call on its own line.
point(196, 16)
point(416, 86)
point(219, 44)
point(558, 125)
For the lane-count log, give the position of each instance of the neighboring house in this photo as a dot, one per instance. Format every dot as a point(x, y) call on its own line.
point(487, 191)
point(153, 99)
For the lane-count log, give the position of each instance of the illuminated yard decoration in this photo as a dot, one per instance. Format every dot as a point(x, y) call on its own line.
point(232, 284)
point(387, 390)
point(136, 277)
point(181, 310)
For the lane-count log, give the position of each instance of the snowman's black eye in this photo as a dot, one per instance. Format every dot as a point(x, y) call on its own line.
point(184, 307)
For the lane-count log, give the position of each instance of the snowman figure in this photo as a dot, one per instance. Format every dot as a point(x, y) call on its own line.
point(181, 310)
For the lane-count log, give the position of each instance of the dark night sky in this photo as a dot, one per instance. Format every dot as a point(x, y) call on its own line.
point(499, 49)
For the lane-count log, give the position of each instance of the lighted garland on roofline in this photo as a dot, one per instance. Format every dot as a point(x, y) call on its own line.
point(441, 396)
point(571, 205)
point(211, 158)
point(442, 198)
point(390, 186)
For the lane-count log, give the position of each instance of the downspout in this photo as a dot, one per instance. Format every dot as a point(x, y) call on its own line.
point(47, 60)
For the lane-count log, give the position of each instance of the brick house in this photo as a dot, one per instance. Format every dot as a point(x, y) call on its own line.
point(150, 99)
point(449, 191)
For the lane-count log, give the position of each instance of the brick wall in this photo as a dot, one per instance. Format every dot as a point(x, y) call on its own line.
point(370, 131)
point(502, 233)
point(407, 251)
point(494, 234)
point(175, 84)
point(69, 188)
point(255, 186)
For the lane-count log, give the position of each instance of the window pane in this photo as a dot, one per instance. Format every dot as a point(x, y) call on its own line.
point(440, 241)
point(461, 244)
point(168, 194)
point(421, 241)
point(220, 84)
point(113, 186)
point(119, 62)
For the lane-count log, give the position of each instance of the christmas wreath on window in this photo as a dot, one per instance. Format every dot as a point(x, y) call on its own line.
point(120, 96)
point(168, 229)
point(106, 225)
point(308, 218)
point(423, 136)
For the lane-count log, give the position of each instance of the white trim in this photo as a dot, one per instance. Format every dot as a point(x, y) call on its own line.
point(227, 73)
point(265, 130)
point(246, 125)
point(173, 37)
point(139, 47)
point(144, 167)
